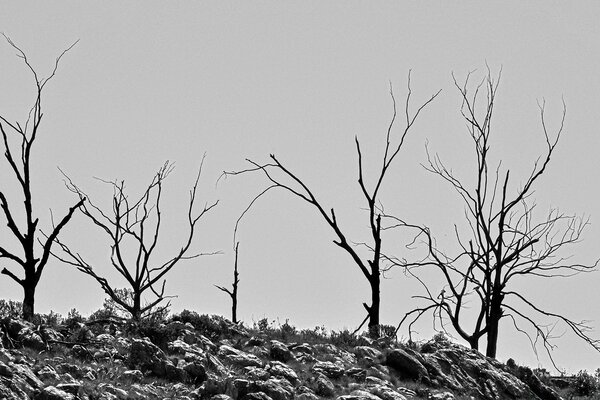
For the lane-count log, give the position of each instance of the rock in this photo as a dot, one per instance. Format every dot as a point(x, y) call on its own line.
point(277, 389)
point(221, 397)
point(328, 369)
point(133, 375)
point(279, 369)
point(31, 339)
point(195, 370)
point(406, 364)
point(239, 357)
point(366, 351)
point(280, 351)
point(255, 373)
point(52, 393)
point(181, 347)
point(72, 388)
point(254, 341)
point(359, 395)
point(303, 348)
point(5, 370)
point(385, 392)
point(344, 357)
point(357, 373)
point(81, 352)
point(256, 396)
point(118, 392)
point(440, 396)
point(25, 374)
point(47, 373)
point(325, 387)
point(105, 338)
point(307, 396)
point(68, 368)
point(146, 356)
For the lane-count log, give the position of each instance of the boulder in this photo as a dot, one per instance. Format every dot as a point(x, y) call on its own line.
point(325, 387)
point(277, 389)
point(238, 357)
point(279, 369)
point(367, 352)
point(328, 369)
point(146, 356)
point(280, 351)
point(406, 364)
point(52, 393)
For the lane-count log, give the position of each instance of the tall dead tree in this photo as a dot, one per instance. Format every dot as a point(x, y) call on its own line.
point(280, 177)
point(18, 139)
point(504, 241)
point(134, 228)
point(234, 287)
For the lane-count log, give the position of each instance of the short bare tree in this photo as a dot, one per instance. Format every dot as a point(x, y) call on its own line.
point(134, 227)
point(280, 177)
point(505, 241)
point(233, 293)
point(32, 253)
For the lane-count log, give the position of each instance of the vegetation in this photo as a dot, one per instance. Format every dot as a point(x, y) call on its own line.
point(503, 242)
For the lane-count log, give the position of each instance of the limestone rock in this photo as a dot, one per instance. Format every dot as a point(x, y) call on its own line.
point(280, 351)
point(407, 364)
point(328, 369)
point(52, 393)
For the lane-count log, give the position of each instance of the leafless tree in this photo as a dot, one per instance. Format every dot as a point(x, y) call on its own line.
point(18, 139)
point(234, 287)
point(505, 241)
point(280, 177)
point(134, 227)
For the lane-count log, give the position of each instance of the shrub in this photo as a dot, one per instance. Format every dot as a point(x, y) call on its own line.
point(212, 326)
point(387, 331)
point(262, 325)
point(10, 308)
point(344, 338)
point(73, 318)
point(286, 331)
point(585, 384)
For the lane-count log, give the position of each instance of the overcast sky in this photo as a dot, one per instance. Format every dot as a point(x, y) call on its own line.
point(155, 81)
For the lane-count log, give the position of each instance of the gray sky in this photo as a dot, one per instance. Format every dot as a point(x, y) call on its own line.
point(156, 81)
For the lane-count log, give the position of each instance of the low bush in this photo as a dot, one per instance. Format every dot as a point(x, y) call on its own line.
point(585, 384)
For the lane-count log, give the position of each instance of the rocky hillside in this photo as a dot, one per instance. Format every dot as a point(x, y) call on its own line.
point(199, 357)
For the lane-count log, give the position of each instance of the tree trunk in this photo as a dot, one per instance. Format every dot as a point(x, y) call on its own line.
point(234, 308)
point(136, 311)
point(373, 309)
point(28, 300)
point(493, 324)
point(474, 343)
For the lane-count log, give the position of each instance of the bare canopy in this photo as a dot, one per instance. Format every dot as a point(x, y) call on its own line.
point(133, 227)
point(280, 177)
point(23, 224)
point(504, 241)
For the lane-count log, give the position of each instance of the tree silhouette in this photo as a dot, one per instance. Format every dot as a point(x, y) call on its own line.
point(505, 241)
point(280, 177)
point(233, 293)
point(133, 227)
point(18, 139)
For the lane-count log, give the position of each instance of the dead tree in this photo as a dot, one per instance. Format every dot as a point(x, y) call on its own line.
point(133, 227)
point(504, 241)
point(18, 139)
point(234, 287)
point(280, 177)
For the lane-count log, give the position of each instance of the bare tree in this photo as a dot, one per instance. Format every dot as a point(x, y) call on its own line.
point(234, 287)
point(504, 242)
point(18, 139)
point(134, 228)
point(280, 177)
